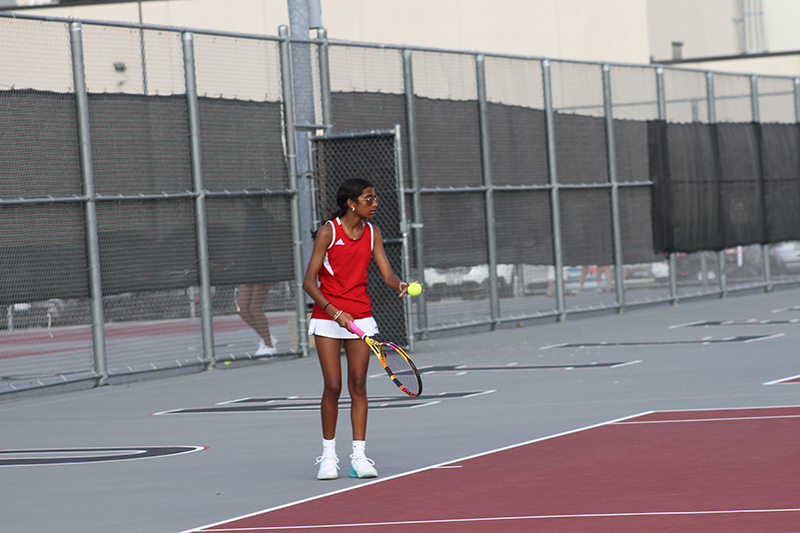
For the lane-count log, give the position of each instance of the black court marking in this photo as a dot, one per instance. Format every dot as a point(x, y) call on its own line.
point(726, 340)
point(71, 456)
point(750, 322)
point(463, 369)
point(297, 403)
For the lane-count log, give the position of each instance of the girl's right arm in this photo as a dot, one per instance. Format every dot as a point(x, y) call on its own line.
point(321, 242)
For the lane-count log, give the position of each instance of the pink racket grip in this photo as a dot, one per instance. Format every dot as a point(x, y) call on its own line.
point(357, 330)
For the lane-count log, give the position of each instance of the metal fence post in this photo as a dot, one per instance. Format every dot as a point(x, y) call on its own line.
point(797, 100)
point(616, 227)
point(555, 205)
point(416, 198)
point(662, 115)
point(325, 82)
point(765, 248)
point(90, 207)
point(291, 156)
point(401, 190)
point(201, 229)
point(712, 119)
point(486, 168)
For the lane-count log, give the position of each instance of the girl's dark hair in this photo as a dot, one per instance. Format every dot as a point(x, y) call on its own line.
point(350, 189)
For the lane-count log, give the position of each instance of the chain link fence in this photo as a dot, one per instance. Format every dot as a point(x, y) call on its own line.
point(158, 188)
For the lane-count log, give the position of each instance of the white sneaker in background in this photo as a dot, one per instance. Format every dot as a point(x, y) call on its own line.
point(263, 349)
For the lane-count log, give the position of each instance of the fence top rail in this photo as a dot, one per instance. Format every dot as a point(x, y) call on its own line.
point(654, 66)
point(220, 33)
point(137, 26)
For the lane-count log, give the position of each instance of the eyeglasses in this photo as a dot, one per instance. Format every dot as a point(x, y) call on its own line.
point(373, 200)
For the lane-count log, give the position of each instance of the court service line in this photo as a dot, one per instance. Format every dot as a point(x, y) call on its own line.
point(726, 419)
point(405, 474)
point(505, 518)
point(702, 409)
point(790, 378)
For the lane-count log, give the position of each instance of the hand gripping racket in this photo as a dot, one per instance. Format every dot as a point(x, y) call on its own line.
point(396, 362)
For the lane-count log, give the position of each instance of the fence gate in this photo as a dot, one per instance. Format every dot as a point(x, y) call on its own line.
point(374, 156)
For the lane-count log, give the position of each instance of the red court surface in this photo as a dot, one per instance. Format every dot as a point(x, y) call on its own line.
point(729, 470)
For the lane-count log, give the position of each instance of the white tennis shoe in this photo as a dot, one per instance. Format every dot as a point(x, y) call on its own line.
point(263, 349)
point(328, 467)
point(362, 467)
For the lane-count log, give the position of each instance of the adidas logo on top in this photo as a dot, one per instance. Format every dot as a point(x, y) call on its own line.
point(340, 242)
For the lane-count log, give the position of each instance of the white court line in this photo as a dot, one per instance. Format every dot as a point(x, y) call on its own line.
point(768, 337)
point(232, 401)
point(688, 324)
point(728, 419)
point(425, 404)
point(700, 409)
point(628, 363)
point(507, 518)
point(553, 346)
point(404, 474)
point(781, 380)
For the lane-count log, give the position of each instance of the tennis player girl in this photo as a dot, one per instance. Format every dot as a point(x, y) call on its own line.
point(343, 248)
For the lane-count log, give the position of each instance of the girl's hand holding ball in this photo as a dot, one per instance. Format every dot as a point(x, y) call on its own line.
point(414, 289)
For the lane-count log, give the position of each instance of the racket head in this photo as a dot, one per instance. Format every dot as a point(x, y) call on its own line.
point(401, 369)
point(396, 362)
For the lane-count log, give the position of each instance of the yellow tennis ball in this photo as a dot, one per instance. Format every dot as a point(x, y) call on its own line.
point(414, 288)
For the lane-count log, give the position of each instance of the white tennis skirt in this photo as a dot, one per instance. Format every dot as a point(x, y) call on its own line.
point(329, 328)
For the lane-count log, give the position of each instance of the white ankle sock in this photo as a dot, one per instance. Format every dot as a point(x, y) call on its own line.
point(329, 447)
point(359, 447)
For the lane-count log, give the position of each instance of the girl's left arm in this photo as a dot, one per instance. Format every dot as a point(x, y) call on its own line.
point(389, 277)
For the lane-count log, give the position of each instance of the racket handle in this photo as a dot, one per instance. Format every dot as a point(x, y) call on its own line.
point(357, 330)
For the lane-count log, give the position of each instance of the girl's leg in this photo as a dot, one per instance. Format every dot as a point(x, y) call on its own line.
point(251, 309)
point(358, 354)
point(329, 351)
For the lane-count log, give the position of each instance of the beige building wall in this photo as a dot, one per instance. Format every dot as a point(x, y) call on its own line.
point(624, 31)
point(705, 27)
point(598, 30)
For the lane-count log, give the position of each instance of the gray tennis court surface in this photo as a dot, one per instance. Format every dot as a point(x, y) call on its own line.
point(176, 454)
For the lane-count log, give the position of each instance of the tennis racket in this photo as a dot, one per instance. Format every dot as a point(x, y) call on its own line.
point(395, 362)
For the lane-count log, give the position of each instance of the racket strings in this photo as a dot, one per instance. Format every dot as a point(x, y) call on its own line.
point(399, 365)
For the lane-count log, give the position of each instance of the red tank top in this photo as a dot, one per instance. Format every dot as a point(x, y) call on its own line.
point(343, 276)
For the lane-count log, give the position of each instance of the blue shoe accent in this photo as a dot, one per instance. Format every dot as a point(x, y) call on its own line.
point(361, 467)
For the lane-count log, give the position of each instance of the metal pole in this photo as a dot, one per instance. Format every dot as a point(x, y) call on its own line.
point(555, 205)
point(797, 99)
point(303, 111)
point(90, 207)
point(201, 232)
point(765, 248)
point(401, 192)
point(325, 81)
point(291, 156)
point(662, 115)
point(616, 226)
point(416, 198)
point(142, 51)
point(712, 119)
point(486, 167)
